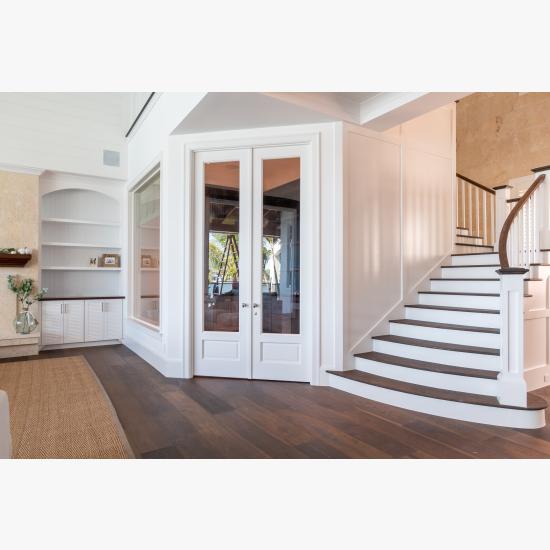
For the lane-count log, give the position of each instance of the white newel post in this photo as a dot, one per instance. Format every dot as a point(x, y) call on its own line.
point(512, 385)
point(502, 194)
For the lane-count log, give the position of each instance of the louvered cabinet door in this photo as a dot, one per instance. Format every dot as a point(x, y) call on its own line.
point(95, 324)
point(73, 321)
point(113, 319)
point(52, 323)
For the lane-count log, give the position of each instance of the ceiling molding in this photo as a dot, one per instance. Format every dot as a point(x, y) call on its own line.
point(21, 169)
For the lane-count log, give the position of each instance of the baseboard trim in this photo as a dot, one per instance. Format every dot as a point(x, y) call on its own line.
point(170, 368)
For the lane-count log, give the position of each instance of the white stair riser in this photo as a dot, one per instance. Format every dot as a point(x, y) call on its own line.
point(426, 378)
point(445, 357)
point(468, 240)
point(449, 285)
point(467, 338)
point(482, 272)
point(462, 232)
point(438, 407)
point(490, 320)
point(451, 300)
point(476, 259)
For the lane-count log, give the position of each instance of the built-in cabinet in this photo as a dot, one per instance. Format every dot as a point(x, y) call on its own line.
point(103, 320)
point(80, 321)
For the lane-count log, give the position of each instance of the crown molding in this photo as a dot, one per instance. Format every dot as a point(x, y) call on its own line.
point(21, 169)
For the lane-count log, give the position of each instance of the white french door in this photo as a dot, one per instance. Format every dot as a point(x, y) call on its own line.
point(250, 263)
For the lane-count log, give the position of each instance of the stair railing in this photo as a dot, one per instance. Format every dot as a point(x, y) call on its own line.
point(475, 209)
point(518, 243)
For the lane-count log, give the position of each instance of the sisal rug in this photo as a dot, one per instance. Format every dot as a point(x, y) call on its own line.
point(59, 409)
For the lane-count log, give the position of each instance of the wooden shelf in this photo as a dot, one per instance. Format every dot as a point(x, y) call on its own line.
point(82, 245)
point(149, 269)
point(69, 268)
point(83, 222)
point(14, 260)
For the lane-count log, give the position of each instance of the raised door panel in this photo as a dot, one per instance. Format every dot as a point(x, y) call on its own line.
point(95, 321)
point(52, 323)
point(113, 319)
point(73, 321)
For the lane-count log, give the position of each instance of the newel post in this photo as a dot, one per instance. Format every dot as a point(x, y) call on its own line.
point(512, 386)
point(502, 194)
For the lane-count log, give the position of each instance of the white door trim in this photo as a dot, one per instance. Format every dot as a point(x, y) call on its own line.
point(189, 149)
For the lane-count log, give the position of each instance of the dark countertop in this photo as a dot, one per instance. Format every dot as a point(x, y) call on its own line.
point(64, 298)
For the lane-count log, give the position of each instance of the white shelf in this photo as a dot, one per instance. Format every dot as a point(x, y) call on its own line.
point(84, 222)
point(69, 268)
point(82, 245)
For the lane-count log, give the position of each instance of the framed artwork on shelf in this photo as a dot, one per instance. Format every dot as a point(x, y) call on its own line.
point(146, 261)
point(109, 260)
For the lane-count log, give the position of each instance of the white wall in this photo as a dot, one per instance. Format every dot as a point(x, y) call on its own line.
point(398, 217)
point(65, 132)
point(169, 349)
point(150, 138)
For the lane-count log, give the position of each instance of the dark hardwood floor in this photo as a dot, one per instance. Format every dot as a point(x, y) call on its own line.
point(221, 418)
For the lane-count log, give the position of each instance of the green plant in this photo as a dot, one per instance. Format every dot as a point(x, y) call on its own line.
point(23, 290)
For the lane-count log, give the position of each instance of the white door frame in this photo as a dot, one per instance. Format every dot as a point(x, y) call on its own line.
point(312, 287)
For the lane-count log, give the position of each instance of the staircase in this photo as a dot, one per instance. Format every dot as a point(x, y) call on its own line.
point(443, 358)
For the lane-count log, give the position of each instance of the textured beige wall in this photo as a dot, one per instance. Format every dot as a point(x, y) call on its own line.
point(19, 226)
point(500, 136)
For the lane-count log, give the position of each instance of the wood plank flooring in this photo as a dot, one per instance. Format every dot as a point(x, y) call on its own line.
point(221, 418)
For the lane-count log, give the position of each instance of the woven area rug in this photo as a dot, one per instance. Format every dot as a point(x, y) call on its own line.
point(59, 409)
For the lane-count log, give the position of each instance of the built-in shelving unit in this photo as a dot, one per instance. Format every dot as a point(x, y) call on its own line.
point(79, 225)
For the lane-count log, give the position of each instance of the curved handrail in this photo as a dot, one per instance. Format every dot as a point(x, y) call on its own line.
point(503, 239)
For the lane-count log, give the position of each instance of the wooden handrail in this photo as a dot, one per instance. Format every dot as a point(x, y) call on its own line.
point(480, 185)
point(503, 239)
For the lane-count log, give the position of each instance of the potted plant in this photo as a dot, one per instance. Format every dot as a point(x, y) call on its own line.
point(25, 322)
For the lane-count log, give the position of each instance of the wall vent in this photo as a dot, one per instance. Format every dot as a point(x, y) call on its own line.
point(111, 158)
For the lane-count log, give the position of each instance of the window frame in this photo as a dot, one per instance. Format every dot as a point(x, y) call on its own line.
point(134, 258)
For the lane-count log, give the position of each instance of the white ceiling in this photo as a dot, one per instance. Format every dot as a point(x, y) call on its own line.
point(355, 96)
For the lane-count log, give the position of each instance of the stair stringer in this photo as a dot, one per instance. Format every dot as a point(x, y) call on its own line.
point(382, 326)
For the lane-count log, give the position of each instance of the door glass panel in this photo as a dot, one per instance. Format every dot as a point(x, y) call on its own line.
point(281, 246)
point(221, 246)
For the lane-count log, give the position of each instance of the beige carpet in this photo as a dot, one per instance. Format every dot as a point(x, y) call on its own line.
point(59, 409)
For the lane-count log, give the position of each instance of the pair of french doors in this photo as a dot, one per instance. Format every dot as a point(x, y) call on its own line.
point(249, 270)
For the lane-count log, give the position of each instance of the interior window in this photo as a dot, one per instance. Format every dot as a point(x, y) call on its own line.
point(146, 229)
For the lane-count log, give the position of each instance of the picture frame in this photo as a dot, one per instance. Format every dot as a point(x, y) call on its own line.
point(146, 261)
point(109, 260)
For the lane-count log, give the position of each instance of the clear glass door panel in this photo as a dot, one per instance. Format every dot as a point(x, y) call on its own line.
point(221, 246)
point(281, 246)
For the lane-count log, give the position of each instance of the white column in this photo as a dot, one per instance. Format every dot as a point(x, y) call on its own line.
point(502, 194)
point(512, 388)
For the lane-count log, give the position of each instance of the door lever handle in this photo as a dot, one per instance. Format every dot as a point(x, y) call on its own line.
point(255, 305)
point(244, 304)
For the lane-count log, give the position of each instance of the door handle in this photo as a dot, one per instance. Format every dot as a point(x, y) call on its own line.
point(244, 304)
point(255, 305)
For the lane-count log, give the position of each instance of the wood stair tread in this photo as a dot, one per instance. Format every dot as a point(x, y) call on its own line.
point(447, 279)
point(427, 366)
point(473, 265)
point(533, 401)
point(447, 326)
point(491, 294)
point(471, 244)
point(451, 308)
point(475, 254)
point(447, 346)
point(486, 294)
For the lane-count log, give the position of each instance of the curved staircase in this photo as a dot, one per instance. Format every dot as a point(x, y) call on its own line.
point(443, 358)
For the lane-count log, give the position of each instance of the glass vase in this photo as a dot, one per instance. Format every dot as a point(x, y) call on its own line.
point(25, 322)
